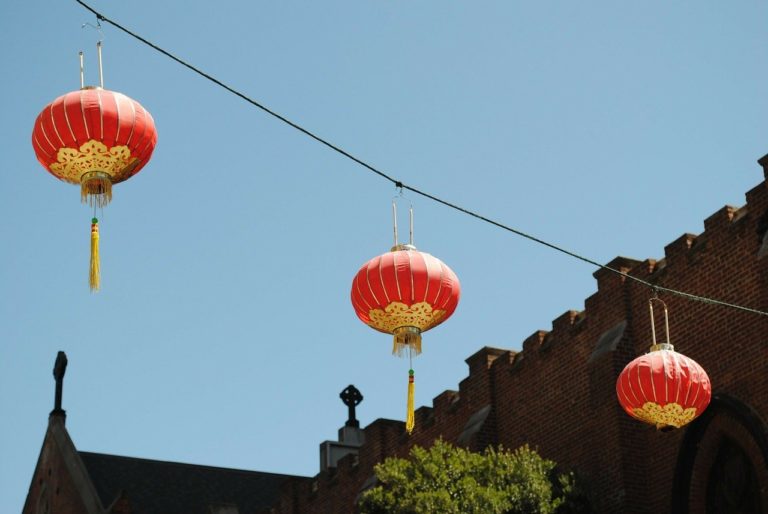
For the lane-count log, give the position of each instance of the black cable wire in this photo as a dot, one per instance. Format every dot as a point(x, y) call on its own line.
point(401, 185)
point(655, 287)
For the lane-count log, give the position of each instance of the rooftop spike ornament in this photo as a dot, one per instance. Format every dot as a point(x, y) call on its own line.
point(663, 388)
point(405, 292)
point(95, 138)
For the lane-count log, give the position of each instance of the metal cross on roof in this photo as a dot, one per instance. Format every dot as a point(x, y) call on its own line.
point(351, 397)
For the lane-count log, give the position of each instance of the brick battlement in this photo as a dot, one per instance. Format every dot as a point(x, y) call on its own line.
point(558, 393)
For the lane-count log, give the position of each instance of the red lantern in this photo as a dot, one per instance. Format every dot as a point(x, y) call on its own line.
point(405, 292)
point(663, 387)
point(95, 138)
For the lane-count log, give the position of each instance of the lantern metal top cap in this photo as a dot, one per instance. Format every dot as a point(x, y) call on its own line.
point(662, 346)
point(402, 246)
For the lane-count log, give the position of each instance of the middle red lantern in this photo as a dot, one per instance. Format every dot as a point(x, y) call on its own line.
point(405, 292)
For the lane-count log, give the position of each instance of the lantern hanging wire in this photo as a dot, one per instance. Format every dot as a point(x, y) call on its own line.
point(654, 345)
point(409, 245)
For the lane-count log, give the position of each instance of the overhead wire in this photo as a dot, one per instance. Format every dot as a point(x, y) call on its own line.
point(401, 185)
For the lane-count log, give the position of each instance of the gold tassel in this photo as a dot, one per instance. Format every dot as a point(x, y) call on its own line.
point(406, 337)
point(410, 417)
point(94, 278)
point(96, 188)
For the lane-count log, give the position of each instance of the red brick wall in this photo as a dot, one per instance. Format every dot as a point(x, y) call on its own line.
point(52, 485)
point(555, 398)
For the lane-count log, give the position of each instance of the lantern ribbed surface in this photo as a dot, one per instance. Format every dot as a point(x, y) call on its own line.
point(405, 288)
point(94, 130)
point(664, 388)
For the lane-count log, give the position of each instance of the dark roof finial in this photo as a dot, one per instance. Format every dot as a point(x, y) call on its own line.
point(351, 397)
point(59, 369)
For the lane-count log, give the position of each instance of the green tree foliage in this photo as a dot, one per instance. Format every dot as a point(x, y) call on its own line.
point(449, 480)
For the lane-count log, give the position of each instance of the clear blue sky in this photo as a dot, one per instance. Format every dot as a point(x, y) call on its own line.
point(224, 332)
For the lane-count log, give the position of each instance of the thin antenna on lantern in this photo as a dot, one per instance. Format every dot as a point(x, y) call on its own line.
point(394, 219)
point(101, 70)
point(82, 72)
point(410, 219)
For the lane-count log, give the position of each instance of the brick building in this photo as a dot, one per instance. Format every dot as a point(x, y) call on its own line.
point(557, 394)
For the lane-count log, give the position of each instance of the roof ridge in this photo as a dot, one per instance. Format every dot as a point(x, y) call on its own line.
point(187, 464)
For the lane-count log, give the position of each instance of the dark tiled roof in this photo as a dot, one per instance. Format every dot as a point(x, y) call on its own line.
point(158, 487)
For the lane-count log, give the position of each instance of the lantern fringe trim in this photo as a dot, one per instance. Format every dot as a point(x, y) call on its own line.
point(94, 276)
point(410, 417)
point(406, 338)
point(96, 188)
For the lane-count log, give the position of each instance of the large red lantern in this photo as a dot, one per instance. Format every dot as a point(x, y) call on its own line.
point(663, 387)
point(405, 292)
point(95, 138)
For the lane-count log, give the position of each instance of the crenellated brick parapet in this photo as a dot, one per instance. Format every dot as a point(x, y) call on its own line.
point(558, 393)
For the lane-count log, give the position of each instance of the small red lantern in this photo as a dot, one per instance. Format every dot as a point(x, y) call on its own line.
point(405, 292)
point(95, 138)
point(663, 387)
